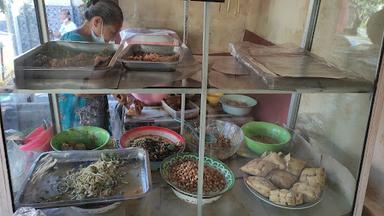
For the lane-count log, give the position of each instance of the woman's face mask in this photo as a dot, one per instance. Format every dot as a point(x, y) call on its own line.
point(98, 39)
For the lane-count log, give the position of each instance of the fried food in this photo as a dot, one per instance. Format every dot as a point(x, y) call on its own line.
point(275, 158)
point(313, 176)
point(310, 193)
point(293, 165)
point(294, 183)
point(152, 57)
point(258, 167)
point(133, 106)
point(286, 197)
point(282, 179)
point(261, 185)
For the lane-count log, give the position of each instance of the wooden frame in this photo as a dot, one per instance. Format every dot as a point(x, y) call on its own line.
point(5, 188)
point(373, 131)
point(372, 138)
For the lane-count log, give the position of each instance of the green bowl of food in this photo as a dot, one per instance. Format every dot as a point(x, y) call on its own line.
point(80, 138)
point(264, 136)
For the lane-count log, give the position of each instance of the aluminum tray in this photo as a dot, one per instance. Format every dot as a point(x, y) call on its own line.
point(60, 49)
point(36, 194)
point(193, 112)
point(152, 66)
point(298, 207)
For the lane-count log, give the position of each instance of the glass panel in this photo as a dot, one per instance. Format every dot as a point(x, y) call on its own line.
point(166, 19)
point(329, 132)
point(349, 34)
point(127, 114)
point(283, 24)
point(18, 32)
point(63, 17)
point(22, 114)
point(330, 129)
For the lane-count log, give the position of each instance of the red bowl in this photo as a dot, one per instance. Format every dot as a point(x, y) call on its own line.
point(151, 130)
point(150, 99)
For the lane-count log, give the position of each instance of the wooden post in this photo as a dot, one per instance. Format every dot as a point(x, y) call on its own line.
point(372, 139)
point(5, 190)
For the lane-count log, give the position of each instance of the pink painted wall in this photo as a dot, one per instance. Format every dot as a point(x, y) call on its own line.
point(272, 107)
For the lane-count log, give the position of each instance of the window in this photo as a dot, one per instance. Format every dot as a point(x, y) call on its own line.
point(18, 31)
point(63, 16)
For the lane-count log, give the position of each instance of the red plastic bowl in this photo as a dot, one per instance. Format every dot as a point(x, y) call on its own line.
point(38, 140)
point(151, 130)
point(150, 99)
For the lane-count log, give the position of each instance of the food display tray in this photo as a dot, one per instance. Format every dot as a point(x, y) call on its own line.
point(189, 113)
point(298, 207)
point(39, 193)
point(24, 68)
point(148, 65)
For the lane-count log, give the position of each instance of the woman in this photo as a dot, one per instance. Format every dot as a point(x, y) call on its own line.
point(104, 20)
point(67, 24)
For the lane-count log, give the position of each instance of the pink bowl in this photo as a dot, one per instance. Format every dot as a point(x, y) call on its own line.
point(150, 130)
point(150, 99)
point(39, 142)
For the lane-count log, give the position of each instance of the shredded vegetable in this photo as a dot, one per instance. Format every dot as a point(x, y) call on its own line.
point(99, 179)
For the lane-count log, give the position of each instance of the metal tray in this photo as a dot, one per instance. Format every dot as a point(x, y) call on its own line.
point(298, 207)
point(24, 67)
point(189, 113)
point(151, 66)
point(35, 194)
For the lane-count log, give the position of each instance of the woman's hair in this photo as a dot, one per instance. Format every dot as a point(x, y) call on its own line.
point(108, 10)
point(66, 11)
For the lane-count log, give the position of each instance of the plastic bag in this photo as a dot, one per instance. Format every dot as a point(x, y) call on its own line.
point(27, 211)
point(150, 36)
point(273, 63)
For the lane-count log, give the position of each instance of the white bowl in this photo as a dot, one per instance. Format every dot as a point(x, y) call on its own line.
point(236, 110)
point(193, 200)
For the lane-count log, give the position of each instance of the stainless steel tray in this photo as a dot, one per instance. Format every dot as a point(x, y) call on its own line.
point(148, 65)
point(38, 193)
point(298, 207)
point(24, 64)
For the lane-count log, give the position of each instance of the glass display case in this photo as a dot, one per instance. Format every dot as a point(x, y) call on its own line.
point(270, 109)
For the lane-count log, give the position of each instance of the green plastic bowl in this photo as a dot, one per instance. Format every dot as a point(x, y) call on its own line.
point(280, 134)
point(94, 138)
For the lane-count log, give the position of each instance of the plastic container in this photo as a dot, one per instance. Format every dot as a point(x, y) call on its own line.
point(274, 131)
point(166, 133)
point(212, 147)
point(150, 99)
point(214, 98)
point(237, 105)
point(93, 138)
point(38, 140)
point(191, 109)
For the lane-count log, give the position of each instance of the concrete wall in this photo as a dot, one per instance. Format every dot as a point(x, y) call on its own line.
point(278, 21)
point(169, 14)
point(259, 16)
